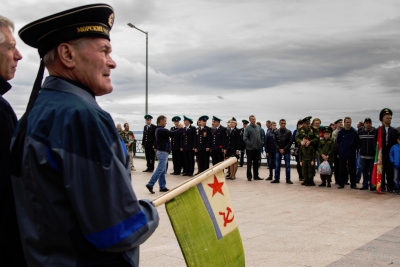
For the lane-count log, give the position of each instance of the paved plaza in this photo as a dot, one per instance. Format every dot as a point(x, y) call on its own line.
point(291, 225)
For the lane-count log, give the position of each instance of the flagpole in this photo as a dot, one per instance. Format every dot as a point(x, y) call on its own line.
point(186, 185)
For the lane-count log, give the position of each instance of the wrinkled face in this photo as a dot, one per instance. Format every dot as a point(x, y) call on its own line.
point(9, 55)
point(94, 64)
point(126, 127)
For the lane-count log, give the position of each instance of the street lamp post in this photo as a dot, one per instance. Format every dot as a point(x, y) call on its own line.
point(147, 42)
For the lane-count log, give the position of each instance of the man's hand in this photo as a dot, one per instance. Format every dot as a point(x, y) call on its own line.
point(281, 151)
point(301, 163)
point(181, 149)
point(142, 146)
point(207, 149)
point(312, 163)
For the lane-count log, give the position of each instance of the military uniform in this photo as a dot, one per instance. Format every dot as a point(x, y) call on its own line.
point(129, 139)
point(217, 142)
point(149, 132)
point(177, 154)
point(202, 142)
point(307, 155)
point(187, 146)
point(326, 147)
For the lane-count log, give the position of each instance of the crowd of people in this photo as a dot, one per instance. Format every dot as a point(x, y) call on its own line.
point(337, 150)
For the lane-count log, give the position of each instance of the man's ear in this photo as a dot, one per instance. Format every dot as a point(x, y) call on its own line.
point(67, 54)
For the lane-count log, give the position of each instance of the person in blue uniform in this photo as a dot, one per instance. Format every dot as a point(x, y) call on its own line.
point(11, 253)
point(148, 143)
point(163, 148)
point(188, 145)
point(203, 143)
point(72, 187)
point(242, 144)
point(217, 141)
point(231, 146)
point(177, 154)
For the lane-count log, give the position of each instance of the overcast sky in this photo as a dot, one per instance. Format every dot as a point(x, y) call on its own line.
point(274, 59)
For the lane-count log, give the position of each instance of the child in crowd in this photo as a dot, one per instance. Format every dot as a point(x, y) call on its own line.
point(395, 160)
point(326, 147)
point(307, 157)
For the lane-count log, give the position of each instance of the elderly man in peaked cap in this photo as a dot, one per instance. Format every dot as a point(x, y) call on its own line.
point(10, 246)
point(74, 198)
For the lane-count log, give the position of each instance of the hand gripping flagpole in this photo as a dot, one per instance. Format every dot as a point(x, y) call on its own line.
point(186, 185)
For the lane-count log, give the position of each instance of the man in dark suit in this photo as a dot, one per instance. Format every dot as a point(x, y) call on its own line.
point(203, 143)
point(231, 146)
point(388, 140)
point(217, 141)
point(149, 131)
point(187, 146)
point(242, 144)
point(177, 154)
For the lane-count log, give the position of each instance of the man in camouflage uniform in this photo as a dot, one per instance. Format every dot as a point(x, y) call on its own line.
point(326, 148)
point(307, 157)
point(307, 130)
point(129, 140)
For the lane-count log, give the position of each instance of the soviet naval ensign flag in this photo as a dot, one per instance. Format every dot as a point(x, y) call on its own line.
point(205, 225)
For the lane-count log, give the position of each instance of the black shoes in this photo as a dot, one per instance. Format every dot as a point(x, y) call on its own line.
point(150, 188)
point(164, 190)
point(185, 174)
point(269, 178)
point(329, 185)
point(249, 178)
point(289, 182)
point(340, 187)
point(275, 182)
point(258, 178)
point(364, 188)
point(323, 184)
point(354, 186)
point(146, 170)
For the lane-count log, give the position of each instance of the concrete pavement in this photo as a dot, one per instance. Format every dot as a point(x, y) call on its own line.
point(291, 225)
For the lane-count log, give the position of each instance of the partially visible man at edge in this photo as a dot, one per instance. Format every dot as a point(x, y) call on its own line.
point(10, 245)
point(74, 193)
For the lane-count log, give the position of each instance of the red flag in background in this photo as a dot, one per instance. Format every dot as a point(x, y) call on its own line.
point(377, 171)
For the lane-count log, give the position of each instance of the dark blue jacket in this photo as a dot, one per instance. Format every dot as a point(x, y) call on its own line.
point(347, 141)
point(188, 138)
point(10, 245)
point(270, 142)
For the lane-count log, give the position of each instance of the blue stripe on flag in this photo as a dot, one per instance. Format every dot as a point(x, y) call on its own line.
point(118, 232)
point(210, 211)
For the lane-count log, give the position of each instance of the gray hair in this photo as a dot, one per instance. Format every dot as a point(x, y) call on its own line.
point(51, 56)
point(5, 22)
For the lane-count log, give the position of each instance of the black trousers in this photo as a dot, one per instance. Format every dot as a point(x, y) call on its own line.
point(177, 160)
point(217, 156)
point(241, 158)
point(336, 168)
point(387, 173)
point(188, 162)
point(252, 160)
point(150, 157)
point(204, 157)
point(347, 166)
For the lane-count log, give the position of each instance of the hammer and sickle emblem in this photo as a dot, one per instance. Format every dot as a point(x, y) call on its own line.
point(226, 216)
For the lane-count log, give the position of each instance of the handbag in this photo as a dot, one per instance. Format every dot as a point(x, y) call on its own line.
point(324, 168)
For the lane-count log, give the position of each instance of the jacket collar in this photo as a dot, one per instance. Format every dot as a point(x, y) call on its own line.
point(4, 86)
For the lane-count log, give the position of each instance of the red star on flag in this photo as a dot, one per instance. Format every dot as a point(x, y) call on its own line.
point(216, 186)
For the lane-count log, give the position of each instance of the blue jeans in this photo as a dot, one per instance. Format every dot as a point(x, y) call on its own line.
point(359, 169)
point(367, 165)
point(396, 173)
point(278, 161)
point(159, 173)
